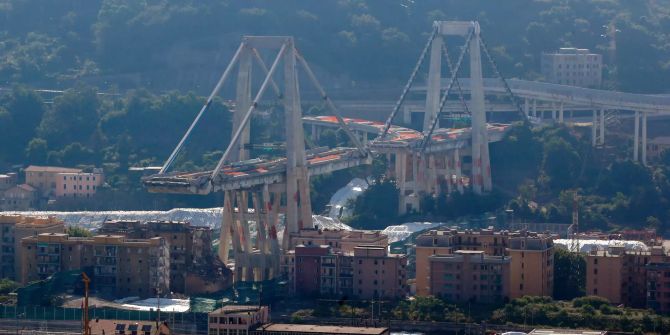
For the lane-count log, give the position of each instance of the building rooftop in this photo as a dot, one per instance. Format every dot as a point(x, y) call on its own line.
point(236, 309)
point(27, 221)
point(26, 187)
point(37, 168)
point(314, 329)
point(566, 332)
point(110, 327)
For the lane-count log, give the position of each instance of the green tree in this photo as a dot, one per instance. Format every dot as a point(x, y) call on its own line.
point(73, 118)
point(76, 231)
point(561, 163)
point(569, 275)
point(377, 206)
point(36, 152)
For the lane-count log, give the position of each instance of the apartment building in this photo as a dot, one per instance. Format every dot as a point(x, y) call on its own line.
point(658, 287)
point(339, 240)
point(13, 228)
point(366, 273)
point(621, 276)
point(21, 197)
point(237, 319)
point(44, 178)
point(446, 242)
point(376, 274)
point(308, 262)
point(54, 181)
point(8, 181)
point(469, 276)
point(531, 265)
point(77, 184)
point(530, 257)
point(119, 266)
point(572, 66)
point(193, 264)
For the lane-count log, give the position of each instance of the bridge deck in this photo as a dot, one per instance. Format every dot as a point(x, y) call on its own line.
point(251, 173)
point(572, 95)
point(400, 137)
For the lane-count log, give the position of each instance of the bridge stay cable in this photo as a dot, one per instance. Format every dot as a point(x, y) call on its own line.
point(204, 108)
point(408, 85)
point(443, 101)
point(515, 101)
point(264, 67)
point(247, 115)
point(364, 151)
point(461, 97)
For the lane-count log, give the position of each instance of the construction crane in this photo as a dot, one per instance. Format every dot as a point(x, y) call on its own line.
point(84, 309)
point(574, 227)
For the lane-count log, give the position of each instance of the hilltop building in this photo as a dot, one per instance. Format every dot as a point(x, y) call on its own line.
point(59, 182)
point(21, 197)
point(572, 66)
point(8, 181)
point(13, 228)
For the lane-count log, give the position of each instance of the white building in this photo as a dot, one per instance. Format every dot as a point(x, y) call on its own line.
point(572, 66)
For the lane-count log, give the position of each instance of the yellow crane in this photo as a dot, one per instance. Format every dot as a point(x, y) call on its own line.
point(84, 309)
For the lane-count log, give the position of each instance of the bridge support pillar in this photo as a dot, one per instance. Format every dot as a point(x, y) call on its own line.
point(448, 173)
point(534, 108)
point(553, 112)
point(644, 138)
point(401, 180)
point(434, 78)
point(242, 104)
point(458, 172)
point(560, 112)
point(481, 165)
point(594, 127)
point(636, 137)
point(602, 127)
point(525, 107)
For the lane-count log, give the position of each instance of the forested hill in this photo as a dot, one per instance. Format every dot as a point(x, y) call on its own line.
point(184, 44)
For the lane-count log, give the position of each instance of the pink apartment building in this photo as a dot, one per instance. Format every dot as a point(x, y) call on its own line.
point(80, 184)
point(54, 181)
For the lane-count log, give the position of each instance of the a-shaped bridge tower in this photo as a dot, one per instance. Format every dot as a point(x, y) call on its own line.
point(257, 190)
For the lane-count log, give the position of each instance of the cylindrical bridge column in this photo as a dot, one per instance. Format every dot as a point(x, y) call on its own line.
point(526, 107)
point(594, 127)
point(636, 137)
point(459, 174)
point(602, 126)
point(644, 138)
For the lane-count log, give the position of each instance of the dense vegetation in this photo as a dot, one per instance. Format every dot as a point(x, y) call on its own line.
point(586, 312)
point(142, 53)
point(581, 313)
point(86, 129)
point(547, 166)
point(163, 44)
